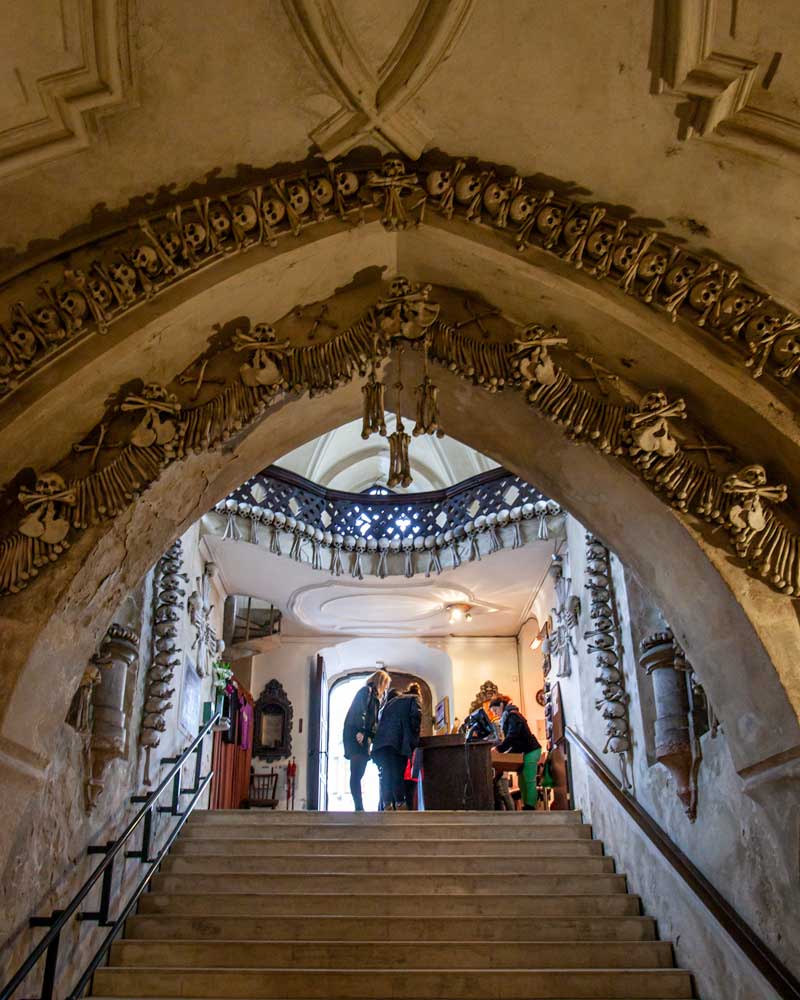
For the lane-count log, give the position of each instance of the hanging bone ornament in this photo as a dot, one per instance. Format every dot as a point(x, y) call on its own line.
point(749, 488)
point(399, 465)
point(265, 354)
point(389, 190)
point(46, 504)
point(649, 426)
point(427, 402)
point(374, 421)
point(530, 357)
point(156, 426)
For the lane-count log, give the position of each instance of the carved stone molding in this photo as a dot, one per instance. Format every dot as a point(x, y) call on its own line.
point(375, 103)
point(603, 642)
point(716, 82)
point(152, 428)
point(57, 110)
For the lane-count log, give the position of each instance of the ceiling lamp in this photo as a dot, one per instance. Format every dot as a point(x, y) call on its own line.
point(459, 613)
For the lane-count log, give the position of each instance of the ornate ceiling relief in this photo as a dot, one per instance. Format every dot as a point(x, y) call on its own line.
point(376, 103)
point(97, 285)
point(70, 63)
point(725, 70)
point(157, 425)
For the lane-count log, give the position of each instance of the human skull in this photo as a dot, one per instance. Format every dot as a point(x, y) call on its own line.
point(624, 255)
point(575, 228)
point(399, 287)
point(419, 543)
point(172, 244)
point(346, 183)
point(349, 543)
point(652, 265)
point(256, 512)
point(264, 332)
point(195, 234)
point(394, 544)
point(100, 291)
point(679, 277)
point(467, 186)
point(50, 483)
point(155, 392)
point(437, 182)
point(321, 190)
point(493, 198)
point(760, 326)
point(372, 545)
point(297, 194)
point(279, 519)
point(503, 517)
point(786, 349)
point(291, 523)
point(705, 294)
point(527, 511)
point(220, 220)
point(480, 522)
point(553, 507)
point(736, 304)
point(274, 211)
point(268, 517)
point(24, 342)
point(244, 509)
point(244, 216)
point(125, 278)
point(548, 219)
point(49, 322)
point(74, 304)
point(540, 507)
point(521, 207)
point(146, 259)
point(599, 243)
point(515, 513)
point(393, 166)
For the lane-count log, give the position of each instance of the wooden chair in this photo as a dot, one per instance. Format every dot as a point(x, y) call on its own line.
point(263, 791)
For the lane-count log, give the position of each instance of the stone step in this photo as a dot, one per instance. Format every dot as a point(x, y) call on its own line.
point(350, 984)
point(215, 817)
point(464, 864)
point(422, 832)
point(257, 846)
point(390, 954)
point(285, 927)
point(509, 905)
point(476, 883)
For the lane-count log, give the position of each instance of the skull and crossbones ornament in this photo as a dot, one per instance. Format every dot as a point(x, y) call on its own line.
point(46, 504)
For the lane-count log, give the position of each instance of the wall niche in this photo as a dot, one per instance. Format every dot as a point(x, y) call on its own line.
point(273, 713)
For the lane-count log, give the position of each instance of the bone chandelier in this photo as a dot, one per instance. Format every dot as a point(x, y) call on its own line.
point(158, 425)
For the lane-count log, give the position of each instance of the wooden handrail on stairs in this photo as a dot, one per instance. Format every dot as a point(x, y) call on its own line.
point(767, 963)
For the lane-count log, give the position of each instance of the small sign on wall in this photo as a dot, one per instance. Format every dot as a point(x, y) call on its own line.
point(191, 691)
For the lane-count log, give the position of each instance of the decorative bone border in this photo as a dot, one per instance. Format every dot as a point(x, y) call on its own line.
point(168, 600)
point(85, 291)
point(150, 429)
point(284, 535)
point(603, 641)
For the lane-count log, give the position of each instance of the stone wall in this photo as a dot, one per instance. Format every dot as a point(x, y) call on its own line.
point(747, 850)
point(49, 861)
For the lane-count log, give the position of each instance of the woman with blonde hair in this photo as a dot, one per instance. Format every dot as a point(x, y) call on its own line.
point(360, 724)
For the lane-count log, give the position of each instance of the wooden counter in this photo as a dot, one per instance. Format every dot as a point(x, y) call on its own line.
point(455, 776)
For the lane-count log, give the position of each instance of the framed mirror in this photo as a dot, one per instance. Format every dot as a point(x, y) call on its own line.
point(272, 729)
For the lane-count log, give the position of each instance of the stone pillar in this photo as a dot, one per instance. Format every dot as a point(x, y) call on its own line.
point(663, 660)
point(109, 733)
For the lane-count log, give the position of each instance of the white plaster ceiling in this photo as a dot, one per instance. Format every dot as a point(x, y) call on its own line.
point(342, 460)
point(575, 91)
point(500, 588)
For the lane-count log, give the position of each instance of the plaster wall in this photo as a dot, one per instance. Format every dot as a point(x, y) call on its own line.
point(48, 861)
point(733, 841)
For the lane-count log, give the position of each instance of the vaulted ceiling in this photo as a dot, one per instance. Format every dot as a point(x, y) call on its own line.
point(685, 113)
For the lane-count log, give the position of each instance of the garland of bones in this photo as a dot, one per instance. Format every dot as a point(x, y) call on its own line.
point(163, 431)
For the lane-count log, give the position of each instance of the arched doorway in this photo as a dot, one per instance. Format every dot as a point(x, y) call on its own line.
point(340, 695)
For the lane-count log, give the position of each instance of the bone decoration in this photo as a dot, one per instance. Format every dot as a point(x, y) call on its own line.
point(603, 642)
point(159, 424)
point(560, 641)
point(108, 277)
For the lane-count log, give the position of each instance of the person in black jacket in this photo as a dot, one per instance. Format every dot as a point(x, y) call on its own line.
point(360, 724)
point(517, 738)
point(396, 739)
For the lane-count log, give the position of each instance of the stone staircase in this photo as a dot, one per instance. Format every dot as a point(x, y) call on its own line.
point(462, 906)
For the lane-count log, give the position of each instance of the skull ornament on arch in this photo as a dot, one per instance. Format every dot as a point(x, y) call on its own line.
point(467, 186)
point(346, 183)
point(521, 207)
point(244, 216)
point(321, 190)
point(146, 259)
point(220, 220)
point(273, 210)
point(437, 182)
point(298, 197)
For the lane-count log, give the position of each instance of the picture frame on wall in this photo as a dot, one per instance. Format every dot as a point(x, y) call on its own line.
point(441, 716)
point(191, 699)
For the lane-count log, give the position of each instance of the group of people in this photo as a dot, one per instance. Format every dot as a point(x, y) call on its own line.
point(383, 724)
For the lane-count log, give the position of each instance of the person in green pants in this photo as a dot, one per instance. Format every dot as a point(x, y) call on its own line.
point(517, 738)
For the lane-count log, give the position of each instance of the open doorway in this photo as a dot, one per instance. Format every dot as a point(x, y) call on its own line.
point(342, 692)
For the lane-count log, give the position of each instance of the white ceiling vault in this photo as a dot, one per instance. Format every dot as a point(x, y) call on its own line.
point(500, 588)
point(691, 123)
point(343, 460)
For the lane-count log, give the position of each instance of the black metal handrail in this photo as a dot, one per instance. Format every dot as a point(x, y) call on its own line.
point(369, 515)
point(49, 944)
point(785, 984)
